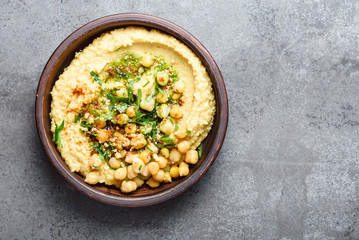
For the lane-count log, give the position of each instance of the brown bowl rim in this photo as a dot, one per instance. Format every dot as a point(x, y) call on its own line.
point(136, 19)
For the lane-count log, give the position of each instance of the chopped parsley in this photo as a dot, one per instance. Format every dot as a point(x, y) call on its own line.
point(160, 89)
point(149, 148)
point(130, 90)
point(85, 124)
point(96, 78)
point(167, 142)
point(200, 150)
point(57, 137)
point(94, 112)
point(146, 83)
point(138, 101)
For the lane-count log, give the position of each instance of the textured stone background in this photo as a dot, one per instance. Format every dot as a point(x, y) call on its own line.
point(289, 165)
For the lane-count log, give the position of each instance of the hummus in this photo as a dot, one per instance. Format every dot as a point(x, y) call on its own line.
point(132, 108)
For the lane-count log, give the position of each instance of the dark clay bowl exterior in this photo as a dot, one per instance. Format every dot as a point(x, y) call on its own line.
point(62, 57)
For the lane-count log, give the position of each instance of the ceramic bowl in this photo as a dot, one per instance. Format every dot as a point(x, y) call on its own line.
point(62, 57)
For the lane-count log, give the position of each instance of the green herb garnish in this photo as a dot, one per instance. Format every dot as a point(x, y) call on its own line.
point(121, 107)
point(138, 100)
point(168, 142)
point(94, 112)
point(86, 124)
point(148, 98)
point(200, 151)
point(149, 148)
point(57, 138)
point(117, 99)
point(96, 77)
point(188, 132)
point(130, 90)
point(176, 127)
point(108, 115)
point(95, 167)
point(101, 150)
point(160, 89)
point(139, 169)
point(154, 132)
point(146, 83)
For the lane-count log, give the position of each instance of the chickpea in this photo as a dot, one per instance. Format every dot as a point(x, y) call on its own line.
point(92, 178)
point(137, 165)
point(178, 87)
point(120, 173)
point(129, 157)
point(159, 176)
point(176, 96)
point(162, 78)
point(118, 140)
point(128, 186)
point(165, 152)
point(147, 60)
point(162, 98)
point(122, 119)
point(130, 173)
point(181, 132)
point(152, 183)
point(148, 105)
point(120, 154)
point(162, 162)
point(102, 135)
point(176, 112)
point(145, 156)
point(95, 161)
point(114, 163)
point(175, 155)
point(131, 111)
point(139, 141)
point(191, 157)
point(145, 172)
point(139, 182)
point(153, 148)
point(153, 168)
point(146, 129)
point(174, 172)
point(125, 142)
point(163, 111)
point(123, 93)
point(130, 128)
point(183, 164)
point(166, 126)
point(183, 169)
point(101, 123)
point(183, 146)
point(167, 177)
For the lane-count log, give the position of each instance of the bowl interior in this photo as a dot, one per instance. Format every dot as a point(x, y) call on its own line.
point(63, 56)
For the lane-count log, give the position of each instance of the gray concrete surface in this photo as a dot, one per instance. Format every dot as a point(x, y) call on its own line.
point(289, 165)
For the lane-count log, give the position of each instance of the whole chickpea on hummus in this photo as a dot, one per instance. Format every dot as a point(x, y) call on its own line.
point(132, 108)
